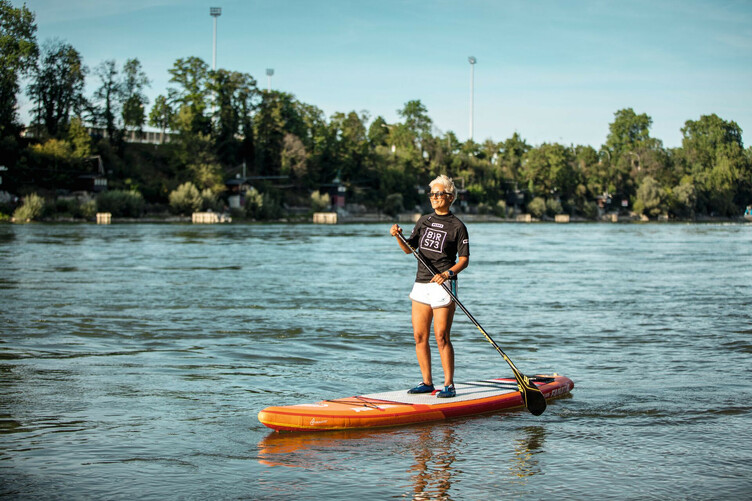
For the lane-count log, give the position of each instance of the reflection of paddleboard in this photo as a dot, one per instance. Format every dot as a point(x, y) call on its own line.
point(396, 408)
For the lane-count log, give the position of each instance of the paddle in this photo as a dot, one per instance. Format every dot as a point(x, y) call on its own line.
point(531, 395)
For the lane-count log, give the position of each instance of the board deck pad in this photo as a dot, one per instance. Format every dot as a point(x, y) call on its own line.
point(465, 391)
point(396, 408)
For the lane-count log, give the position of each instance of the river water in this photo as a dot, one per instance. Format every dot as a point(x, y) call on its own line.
point(134, 359)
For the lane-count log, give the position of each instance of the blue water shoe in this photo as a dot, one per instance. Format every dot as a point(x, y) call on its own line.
point(447, 392)
point(422, 388)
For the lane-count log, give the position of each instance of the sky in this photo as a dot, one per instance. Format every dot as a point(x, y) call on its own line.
point(549, 70)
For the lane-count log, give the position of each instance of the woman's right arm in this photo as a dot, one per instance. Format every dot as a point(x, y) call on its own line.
point(396, 230)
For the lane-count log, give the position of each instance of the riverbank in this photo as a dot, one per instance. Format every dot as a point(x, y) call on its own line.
point(374, 217)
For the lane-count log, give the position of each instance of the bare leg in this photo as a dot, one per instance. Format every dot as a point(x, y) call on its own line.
point(422, 314)
point(442, 325)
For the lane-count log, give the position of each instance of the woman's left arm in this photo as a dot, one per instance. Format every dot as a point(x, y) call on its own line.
point(462, 263)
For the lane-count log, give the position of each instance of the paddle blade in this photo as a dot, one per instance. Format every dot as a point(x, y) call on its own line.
point(534, 401)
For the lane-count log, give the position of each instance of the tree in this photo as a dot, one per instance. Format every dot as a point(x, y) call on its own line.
point(512, 152)
point(683, 198)
point(277, 115)
point(628, 131)
point(417, 124)
point(109, 97)
point(294, 157)
point(650, 198)
point(378, 132)
point(186, 199)
point(416, 117)
point(713, 154)
point(79, 138)
point(234, 95)
point(350, 142)
point(191, 76)
point(161, 115)
point(548, 170)
point(18, 53)
point(629, 146)
point(57, 89)
point(134, 100)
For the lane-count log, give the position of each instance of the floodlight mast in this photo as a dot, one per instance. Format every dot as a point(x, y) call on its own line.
point(215, 12)
point(472, 62)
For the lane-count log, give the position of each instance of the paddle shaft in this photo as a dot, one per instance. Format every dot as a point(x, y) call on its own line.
point(534, 400)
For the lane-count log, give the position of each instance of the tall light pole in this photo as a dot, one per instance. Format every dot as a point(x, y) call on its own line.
point(215, 12)
point(269, 75)
point(472, 61)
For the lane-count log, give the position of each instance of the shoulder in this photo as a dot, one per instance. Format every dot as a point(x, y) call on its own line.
point(457, 223)
point(422, 220)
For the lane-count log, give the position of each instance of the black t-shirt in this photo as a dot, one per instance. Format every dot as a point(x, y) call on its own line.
point(439, 239)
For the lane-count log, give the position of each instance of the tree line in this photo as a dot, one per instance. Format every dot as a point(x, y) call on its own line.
point(215, 125)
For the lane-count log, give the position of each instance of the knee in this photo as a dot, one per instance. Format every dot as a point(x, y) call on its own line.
point(442, 339)
point(421, 337)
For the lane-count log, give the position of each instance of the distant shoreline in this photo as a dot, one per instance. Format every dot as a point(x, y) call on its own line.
point(377, 218)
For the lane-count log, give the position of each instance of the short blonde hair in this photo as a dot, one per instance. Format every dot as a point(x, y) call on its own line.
point(448, 185)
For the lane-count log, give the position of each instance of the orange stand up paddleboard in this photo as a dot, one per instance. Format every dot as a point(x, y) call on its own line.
point(397, 408)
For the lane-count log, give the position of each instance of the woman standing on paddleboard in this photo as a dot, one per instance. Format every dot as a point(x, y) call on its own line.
point(439, 237)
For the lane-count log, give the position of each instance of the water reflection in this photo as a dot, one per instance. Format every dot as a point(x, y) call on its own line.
point(435, 452)
point(431, 456)
point(526, 448)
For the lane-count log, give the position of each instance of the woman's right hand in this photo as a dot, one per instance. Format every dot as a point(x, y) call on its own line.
point(395, 230)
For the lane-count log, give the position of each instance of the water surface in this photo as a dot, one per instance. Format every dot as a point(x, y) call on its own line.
point(134, 359)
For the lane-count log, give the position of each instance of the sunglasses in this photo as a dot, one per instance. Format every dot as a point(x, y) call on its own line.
point(438, 194)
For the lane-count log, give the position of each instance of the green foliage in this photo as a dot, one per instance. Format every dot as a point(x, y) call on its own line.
point(161, 115)
point(121, 203)
point(320, 202)
point(650, 198)
point(220, 120)
point(108, 98)
point(628, 131)
point(207, 173)
point(191, 75)
point(186, 199)
point(54, 149)
point(590, 210)
point(79, 138)
point(682, 199)
point(234, 95)
point(18, 52)
point(57, 88)
point(294, 158)
point(393, 204)
point(261, 206)
point(553, 207)
point(87, 209)
point(31, 209)
point(209, 201)
point(483, 208)
point(500, 209)
point(550, 169)
point(84, 208)
point(134, 100)
point(713, 154)
point(417, 124)
point(537, 207)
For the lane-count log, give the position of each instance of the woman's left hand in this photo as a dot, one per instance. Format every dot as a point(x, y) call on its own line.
point(439, 278)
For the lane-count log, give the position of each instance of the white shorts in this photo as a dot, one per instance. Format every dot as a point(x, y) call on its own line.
point(433, 294)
